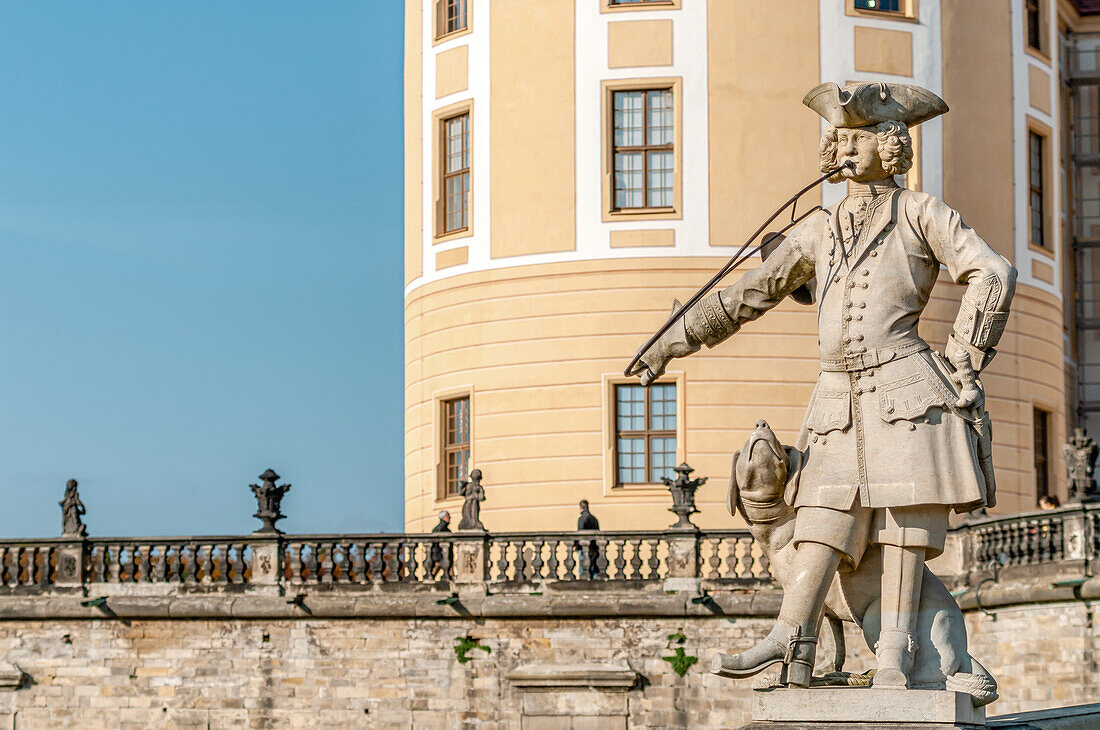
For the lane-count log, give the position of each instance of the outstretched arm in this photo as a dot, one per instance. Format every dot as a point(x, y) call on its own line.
point(718, 315)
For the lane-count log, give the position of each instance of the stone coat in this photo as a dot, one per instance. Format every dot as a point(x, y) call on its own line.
point(881, 424)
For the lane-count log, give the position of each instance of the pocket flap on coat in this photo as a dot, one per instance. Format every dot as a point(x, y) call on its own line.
point(830, 410)
point(907, 398)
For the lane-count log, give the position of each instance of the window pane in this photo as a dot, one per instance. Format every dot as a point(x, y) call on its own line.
point(631, 458)
point(630, 407)
point(662, 407)
point(660, 179)
point(660, 117)
point(628, 180)
point(457, 143)
point(456, 15)
point(628, 118)
point(662, 457)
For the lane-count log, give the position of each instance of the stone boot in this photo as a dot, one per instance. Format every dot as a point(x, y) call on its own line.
point(784, 643)
point(894, 651)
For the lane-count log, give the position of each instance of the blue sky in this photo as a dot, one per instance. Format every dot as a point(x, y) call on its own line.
point(200, 263)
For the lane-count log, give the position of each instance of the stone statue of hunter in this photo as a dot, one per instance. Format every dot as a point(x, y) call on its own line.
point(896, 434)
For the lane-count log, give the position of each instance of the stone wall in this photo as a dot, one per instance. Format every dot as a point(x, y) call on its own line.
point(402, 673)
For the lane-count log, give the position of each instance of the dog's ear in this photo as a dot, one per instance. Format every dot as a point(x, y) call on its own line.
point(734, 495)
point(794, 471)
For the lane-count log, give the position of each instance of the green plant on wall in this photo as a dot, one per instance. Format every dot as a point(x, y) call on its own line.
point(680, 660)
point(464, 644)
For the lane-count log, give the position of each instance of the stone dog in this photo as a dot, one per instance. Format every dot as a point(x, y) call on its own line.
point(763, 485)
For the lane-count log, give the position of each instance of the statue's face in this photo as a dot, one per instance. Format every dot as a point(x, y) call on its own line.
point(860, 146)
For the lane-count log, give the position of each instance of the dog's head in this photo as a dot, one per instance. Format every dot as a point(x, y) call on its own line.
point(764, 477)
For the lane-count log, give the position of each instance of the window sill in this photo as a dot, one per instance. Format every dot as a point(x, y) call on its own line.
point(452, 235)
point(641, 214)
point(440, 40)
point(1037, 54)
point(1041, 249)
point(895, 15)
point(609, 7)
point(618, 488)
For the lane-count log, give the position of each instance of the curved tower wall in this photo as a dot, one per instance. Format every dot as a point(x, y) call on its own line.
point(534, 310)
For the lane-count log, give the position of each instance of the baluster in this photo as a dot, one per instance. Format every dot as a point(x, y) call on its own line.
point(502, 562)
point(52, 557)
point(446, 556)
point(654, 561)
point(21, 566)
point(570, 562)
point(537, 561)
point(375, 562)
point(715, 559)
point(740, 558)
point(586, 560)
point(11, 566)
point(146, 564)
point(31, 567)
point(294, 561)
point(207, 552)
point(602, 544)
point(42, 566)
point(112, 555)
point(227, 565)
point(324, 572)
point(338, 566)
point(244, 574)
point(357, 564)
point(552, 561)
point(347, 556)
point(5, 577)
point(406, 560)
point(521, 561)
point(131, 563)
point(423, 566)
point(636, 559)
point(620, 560)
point(389, 567)
point(157, 567)
point(729, 559)
point(174, 559)
point(216, 554)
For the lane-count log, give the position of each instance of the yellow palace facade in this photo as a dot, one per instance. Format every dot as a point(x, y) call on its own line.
point(571, 166)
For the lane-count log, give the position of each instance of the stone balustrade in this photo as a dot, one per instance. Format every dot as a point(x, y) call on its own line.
point(1032, 557)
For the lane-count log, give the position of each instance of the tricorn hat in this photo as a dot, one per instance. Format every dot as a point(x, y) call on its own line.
point(866, 103)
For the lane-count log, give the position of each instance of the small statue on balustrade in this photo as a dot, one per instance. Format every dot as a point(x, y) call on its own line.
point(72, 511)
point(1080, 455)
point(474, 494)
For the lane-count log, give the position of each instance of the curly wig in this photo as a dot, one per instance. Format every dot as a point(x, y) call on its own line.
point(895, 148)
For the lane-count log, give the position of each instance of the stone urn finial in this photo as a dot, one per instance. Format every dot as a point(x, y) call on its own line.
point(72, 511)
point(269, 498)
point(683, 496)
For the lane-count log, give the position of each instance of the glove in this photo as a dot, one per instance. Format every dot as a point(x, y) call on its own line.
point(970, 388)
point(673, 343)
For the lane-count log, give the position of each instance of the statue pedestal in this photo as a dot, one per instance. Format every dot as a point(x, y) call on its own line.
point(862, 708)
